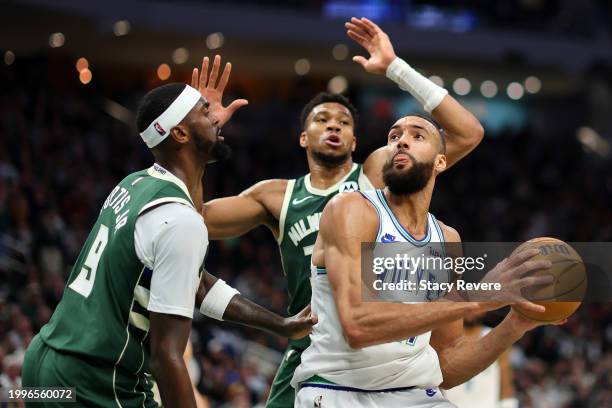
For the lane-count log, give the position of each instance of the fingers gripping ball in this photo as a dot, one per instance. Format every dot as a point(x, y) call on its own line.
point(564, 295)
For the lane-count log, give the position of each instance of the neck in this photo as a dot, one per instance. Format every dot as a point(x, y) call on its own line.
point(323, 177)
point(411, 210)
point(190, 171)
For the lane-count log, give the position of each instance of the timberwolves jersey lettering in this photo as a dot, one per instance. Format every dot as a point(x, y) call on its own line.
point(408, 363)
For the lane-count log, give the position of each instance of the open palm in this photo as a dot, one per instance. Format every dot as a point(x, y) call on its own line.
point(375, 41)
point(213, 91)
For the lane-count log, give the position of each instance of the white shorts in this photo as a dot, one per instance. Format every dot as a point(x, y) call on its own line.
point(319, 397)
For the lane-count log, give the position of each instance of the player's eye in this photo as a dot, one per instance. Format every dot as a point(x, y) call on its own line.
point(321, 120)
point(344, 123)
point(419, 136)
point(394, 136)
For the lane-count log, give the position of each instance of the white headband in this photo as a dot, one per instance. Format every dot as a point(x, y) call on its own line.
point(159, 129)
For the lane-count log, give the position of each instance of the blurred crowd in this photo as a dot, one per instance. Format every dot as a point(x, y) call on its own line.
point(61, 153)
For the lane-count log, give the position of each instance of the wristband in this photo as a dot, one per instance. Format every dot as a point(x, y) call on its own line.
point(426, 92)
point(217, 298)
point(509, 403)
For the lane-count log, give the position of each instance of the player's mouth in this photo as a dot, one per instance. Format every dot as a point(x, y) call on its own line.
point(401, 159)
point(219, 137)
point(333, 141)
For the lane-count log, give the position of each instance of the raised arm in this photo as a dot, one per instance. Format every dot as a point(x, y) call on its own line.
point(463, 130)
point(236, 215)
point(368, 323)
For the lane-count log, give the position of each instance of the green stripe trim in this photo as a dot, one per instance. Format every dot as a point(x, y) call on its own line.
point(400, 228)
point(318, 380)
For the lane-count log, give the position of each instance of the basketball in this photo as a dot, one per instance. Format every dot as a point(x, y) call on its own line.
point(563, 296)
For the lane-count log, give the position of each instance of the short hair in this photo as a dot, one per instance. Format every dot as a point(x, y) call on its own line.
point(326, 97)
point(435, 123)
point(155, 102)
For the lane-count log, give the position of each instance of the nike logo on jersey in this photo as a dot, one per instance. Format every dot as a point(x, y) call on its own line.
point(388, 238)
point(301, 200)
point(430, 392)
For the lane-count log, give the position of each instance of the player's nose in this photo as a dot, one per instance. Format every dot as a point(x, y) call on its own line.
point(404, 142)
point(333, 126)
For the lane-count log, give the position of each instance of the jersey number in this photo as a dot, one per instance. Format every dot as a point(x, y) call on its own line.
point(84, 282)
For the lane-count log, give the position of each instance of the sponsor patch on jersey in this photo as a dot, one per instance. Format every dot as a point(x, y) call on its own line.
point(388, 238)
point(159, 129)
point(348, 187)
point(430, 392)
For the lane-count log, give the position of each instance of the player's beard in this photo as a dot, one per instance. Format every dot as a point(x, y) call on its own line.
point(330, 160)
point(213, 151)
point(407, 181)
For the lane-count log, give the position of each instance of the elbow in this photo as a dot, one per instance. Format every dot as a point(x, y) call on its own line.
point(477, 134)
point(354, 335)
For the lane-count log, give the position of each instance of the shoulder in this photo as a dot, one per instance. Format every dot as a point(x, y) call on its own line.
point(450, 234)
point(176, 217)
point(265, 188)
point(352, 214)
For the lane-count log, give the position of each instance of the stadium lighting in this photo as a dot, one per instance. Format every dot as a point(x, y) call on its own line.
point(591, 141)
point(9, 57)
point(302, 66)
point(533, 84)
point(214, 41)
point(180, 55)
point(163, 71)
point(437, 80)
point(340, 52)
point(56, 40)
point(121, 28)
point(488, 89)
point(462, 86)
point(82, 64)
point(85, 76)
point(337, 84)
point(515, 91)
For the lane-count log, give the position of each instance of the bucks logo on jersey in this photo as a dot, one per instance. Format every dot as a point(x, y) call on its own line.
point(299, 225)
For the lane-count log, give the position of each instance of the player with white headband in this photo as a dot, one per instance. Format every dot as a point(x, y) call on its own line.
point(126, 310)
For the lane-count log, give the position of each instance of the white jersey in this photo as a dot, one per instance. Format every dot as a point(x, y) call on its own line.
point(408, 363)
point(482, 391)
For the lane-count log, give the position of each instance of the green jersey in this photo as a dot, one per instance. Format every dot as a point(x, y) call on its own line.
point(102, 317)
point(299, 225)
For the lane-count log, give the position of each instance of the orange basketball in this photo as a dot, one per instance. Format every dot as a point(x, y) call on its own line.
point(562, 297)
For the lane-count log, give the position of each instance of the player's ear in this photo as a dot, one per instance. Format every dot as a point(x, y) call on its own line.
point(179, 134)
point(354, 145)
point(303, 140)
point(440, 163)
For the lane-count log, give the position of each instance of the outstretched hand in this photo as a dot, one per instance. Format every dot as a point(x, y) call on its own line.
point(213, 91)
point(375, 41)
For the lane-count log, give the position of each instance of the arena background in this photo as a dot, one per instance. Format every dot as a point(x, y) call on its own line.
point(67, 137)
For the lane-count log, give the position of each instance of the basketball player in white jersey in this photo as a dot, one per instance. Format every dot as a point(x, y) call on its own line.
point(384, 354)
point(492, 388)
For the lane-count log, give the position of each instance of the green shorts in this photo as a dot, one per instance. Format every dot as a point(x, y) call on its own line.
point(282, 394)
point(96, 384)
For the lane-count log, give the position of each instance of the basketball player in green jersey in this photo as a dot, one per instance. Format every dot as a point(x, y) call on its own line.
point(291, 209)
point(126, 310)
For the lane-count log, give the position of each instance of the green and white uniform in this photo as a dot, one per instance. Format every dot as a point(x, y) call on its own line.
point(97, 338)
point(299, 225)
